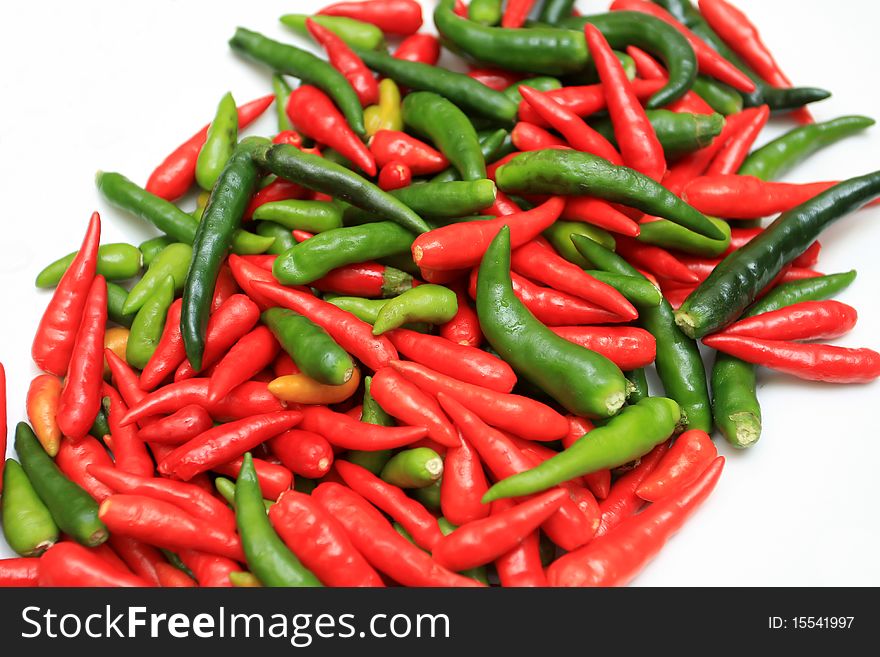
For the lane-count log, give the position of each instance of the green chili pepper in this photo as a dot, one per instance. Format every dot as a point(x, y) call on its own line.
point(570, 172)
point(371, 413)
point(282, 92)
point(283, 237)
point(355, 33)
point(27, 524)
point(100, 427)
point(312, 349)
point(313, 216)
point(116, 262)
point(386, 115)
point(146, 329)
point(735, 404)
point(173, 261)
point(116, 297)
point(583, 381)
point(435, 200)
point(317, 256)
point(267, 555)
point(226, 488)
point(738, 279)
point(678, 360)
point(72, 508)
point(243, 579)
point(153, 247)
point(301, 64)
point(639, 381)
point(780, 155)
point(541, 83)
point(672, 236)
point(316, 173)
point(226, 207)
point(630, 435)
point(429, 496)
point(465, 92)
point(485, 12)
point(559, 235)
point(479, 572)
point(637, 290)
point(434, 304)
point(245, 243)
point(554, 11)
point(678, 132)
point(366, 310)
point(720, 97)
point(493, 144)
point(413, 468)
point(218, 146)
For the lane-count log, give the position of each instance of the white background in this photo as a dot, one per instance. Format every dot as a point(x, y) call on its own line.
point(110, 85)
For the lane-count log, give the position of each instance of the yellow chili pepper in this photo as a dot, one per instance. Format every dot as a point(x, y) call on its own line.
point(42, 408)
point(386, 115)
point(244, 579)
point(116, 339)
point(302, 389)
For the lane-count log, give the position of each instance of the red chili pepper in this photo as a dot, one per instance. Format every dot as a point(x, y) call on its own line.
point(497, 164)
point(627, 347)
point(622, 500)
point(552, 307)
point(315, 115)
point(520, 415)
point(73, 459)
point(344, 60)
point(708, 59)
point(584, 100)
point(384, 549)
point(568, 527)
point(460, 8)
point(3, 421)
point(656, 260)
point(537, 260)
point(166, 525)
point(502, 206)
point(291, 137)
point(414, 517)
point(797, 274)
point(247, 273)
point(423, 48)
point(341, 431)
point(210, 570)
point(321, 542)
point(277, 190)
point(69, 564)
point(264, 260)
point(636, 139)
point(352, 334)
point(464, 328)
point(614, 559)
point(599, 213)
point(284, 365)
point(19, 571)
point(247, 357)
point(248, 399)
point(484, 540)
point(808, 320)
point(463, 485)
point(516, 12)
point(494, 78)
point(167, 576)
point(58, 330)
point(521, 567)
point(442, 276)
point(173, 178)
point(364, 279)
point(648, 68)
point(462, 245)
point(598, 482)
point(273, 478)
point(459, 361)
point(734, 152)
point(169, 353)
point(809, 257)
point(576, 132)
point(225, 287)
point(401, 17)
point(394, 175)
point(690, 454)
point(529, 137)
point(394, 146)
point(124, 378)
point(129, 451)
point(141, 559)
point(304, 452)
point(226, 442)
point(676, 295)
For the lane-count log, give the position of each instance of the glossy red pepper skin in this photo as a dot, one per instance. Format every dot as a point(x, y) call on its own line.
point(352, 334)
point(247, 357)
point(129, 450)
point(57, 332)
point(690, 454)
point(411, 515)
point(502, 206)
point(346, 433)
point(225, 287)
point(394, 175)
point(464, 328)
point(314, 115)
point(291, 137)
point(461, 245)
point(424, 48)
point(320, 542)
point(658, 261)
point(636, 139)
point(394, 146)
point(812, 362)
point(74, 459)
point(516, 12)
point(401, 17)
point(494, 78)
point(363, 279)
point(277, 190)
point(69, 564)
point(141, 559)
point(537, 260)
point(521, 567)
point(734, 152)
point(19, 572)
point(520, 415)
point(599, 213)
point(622, 501)
point(273, 478)
point(616, 558)
point(808, 320)
point(385, 549)
point(177, 172)
point(463, 485)
point(167, 526)
point(169, 353)
point(577, 133)
point(648, 68)
point(530, 137)
point(627, 347)
point(225, 442)
point(584, 100)
point(167, 576)
point(344, 60)
point(210, 570)
point(305, 453)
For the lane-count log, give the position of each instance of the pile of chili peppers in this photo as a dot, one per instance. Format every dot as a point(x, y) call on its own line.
point(403, 341)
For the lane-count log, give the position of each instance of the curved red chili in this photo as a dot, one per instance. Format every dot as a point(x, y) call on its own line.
point(69, 564)
point(169, 353)
point(168, 576)
point(273, 478)
point(141, 559)
point(344, 60)
point(598, 482)
point(464, 328)
point(210, 570)
point(277, 190)
point(342, 431)
point(494, 78)
point(627, 347)
point(584, 100)
point(807, 320)
point(395, 146)
point(502, 206)
point(521, 567)
point(622, 501)
point(74, 458)
point(530, 137)
point(19, 572)
point(400, 17)
point(246, 358)
point(129, 451)
point(394, 175)
point(599, 213)
point(648, 68)
point(690, 454)
point(303, 452)
point(516, 12)
point(731, 156)
point(658, 261)
point(463, 485)
point(422, 47)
